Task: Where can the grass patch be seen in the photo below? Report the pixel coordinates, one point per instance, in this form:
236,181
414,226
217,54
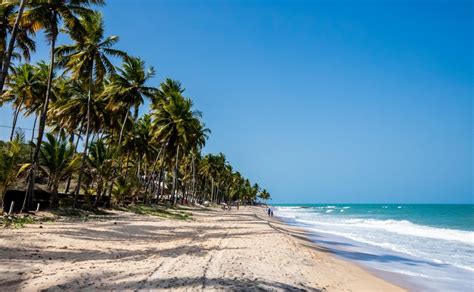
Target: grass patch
11,221
83,214
158,211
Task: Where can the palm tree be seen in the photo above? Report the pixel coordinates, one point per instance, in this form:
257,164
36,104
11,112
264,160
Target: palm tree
128,88
34,105
9,164
101,165
47,15
25,43
88,60
264,195
57,162
175,124
22,85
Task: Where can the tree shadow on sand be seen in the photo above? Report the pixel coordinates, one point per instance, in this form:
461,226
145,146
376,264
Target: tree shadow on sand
188,283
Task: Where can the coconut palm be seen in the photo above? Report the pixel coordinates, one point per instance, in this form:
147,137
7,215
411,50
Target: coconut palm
57,162
264,195
176,126
128,88
10,156
88,60
18,36
47,15
22,85
101,166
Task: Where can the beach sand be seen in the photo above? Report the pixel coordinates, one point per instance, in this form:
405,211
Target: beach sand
231,250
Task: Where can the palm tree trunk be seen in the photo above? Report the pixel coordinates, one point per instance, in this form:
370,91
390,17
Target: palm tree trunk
175,178
86,145
54,201
152,173
11,45
123,127
212,190
15,117
194,180
33,136
31,176
68,184
160,178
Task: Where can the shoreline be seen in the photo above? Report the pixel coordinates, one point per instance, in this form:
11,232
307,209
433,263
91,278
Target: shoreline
304,237
308,239
237,250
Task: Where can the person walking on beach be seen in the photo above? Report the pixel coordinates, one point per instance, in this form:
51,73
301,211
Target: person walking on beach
269,211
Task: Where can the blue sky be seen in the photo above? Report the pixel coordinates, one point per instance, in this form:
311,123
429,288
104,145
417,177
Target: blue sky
321,101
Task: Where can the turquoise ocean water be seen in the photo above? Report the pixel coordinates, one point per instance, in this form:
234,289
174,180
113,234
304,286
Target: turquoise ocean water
422,247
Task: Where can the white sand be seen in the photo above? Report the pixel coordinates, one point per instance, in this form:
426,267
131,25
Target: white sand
216,250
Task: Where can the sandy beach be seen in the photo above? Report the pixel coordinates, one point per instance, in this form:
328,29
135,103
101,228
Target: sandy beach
236,250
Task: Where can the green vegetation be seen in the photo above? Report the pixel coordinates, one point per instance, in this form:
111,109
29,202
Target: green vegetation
98,150
174,213
20,221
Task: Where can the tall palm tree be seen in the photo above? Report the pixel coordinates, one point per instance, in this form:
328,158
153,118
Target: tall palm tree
88,59
6,8
128,88
176,125
22,85
47,15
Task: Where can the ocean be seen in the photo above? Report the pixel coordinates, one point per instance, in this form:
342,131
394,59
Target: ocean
420,247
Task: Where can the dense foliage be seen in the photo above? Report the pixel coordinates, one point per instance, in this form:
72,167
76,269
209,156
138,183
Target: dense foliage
88,139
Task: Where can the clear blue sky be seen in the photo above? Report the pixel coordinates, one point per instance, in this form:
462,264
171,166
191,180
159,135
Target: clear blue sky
321,101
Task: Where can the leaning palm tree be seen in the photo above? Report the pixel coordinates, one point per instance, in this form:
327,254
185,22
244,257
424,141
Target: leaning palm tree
18,36
47,15
128,88
57,162
88,60
22,85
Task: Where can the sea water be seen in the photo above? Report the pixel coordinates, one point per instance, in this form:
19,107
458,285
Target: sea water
422,247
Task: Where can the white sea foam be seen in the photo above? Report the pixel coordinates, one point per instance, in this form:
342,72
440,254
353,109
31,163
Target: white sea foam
405,227
414,250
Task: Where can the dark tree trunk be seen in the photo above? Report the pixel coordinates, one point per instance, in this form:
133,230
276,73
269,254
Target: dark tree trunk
11,45
31,176
86,144
175,178
54,201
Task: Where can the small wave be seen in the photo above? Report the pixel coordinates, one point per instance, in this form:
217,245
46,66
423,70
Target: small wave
341,211
330,207
399,207
329,211
346,207
405,227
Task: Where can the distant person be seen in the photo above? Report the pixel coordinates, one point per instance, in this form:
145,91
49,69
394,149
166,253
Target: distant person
269,211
